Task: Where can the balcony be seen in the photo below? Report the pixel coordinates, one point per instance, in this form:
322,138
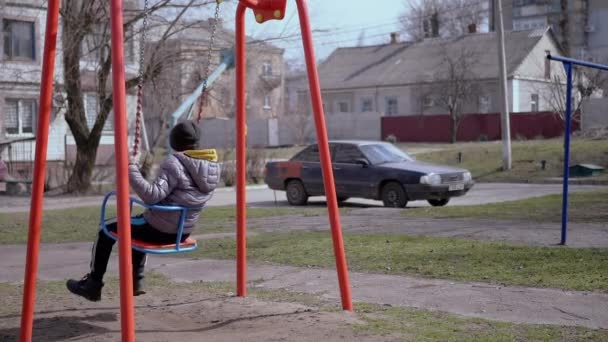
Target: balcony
270,81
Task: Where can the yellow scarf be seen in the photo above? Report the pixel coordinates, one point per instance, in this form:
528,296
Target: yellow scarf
209,154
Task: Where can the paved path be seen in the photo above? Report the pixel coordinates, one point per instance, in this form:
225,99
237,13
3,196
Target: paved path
505,303
262,196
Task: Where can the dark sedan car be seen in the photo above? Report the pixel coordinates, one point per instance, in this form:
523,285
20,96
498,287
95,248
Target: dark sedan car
373,170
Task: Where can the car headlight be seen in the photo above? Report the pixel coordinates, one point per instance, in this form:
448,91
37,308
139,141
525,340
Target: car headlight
467,177
431,179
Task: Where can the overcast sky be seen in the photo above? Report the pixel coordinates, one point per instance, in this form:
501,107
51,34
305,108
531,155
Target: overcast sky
339,23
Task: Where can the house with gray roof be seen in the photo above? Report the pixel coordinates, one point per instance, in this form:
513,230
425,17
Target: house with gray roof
400,78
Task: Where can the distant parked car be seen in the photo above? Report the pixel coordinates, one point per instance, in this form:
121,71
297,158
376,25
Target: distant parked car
373,170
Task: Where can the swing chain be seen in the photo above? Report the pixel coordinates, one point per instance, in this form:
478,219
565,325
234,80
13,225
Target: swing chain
140,83
202,98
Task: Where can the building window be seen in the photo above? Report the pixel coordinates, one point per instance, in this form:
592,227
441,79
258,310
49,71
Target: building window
343,107
267,68
534,103
91,109
547,65
366,105
19,40
484,104
267,102
97,41
19,116
428,102
391,106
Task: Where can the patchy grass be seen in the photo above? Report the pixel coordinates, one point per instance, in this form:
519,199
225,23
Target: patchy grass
484,159
586,207
421,325
492,262
80,224
378,320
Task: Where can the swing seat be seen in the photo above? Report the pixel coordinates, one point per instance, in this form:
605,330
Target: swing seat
179,246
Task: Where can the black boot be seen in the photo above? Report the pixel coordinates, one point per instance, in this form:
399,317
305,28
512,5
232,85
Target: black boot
87,287
138,285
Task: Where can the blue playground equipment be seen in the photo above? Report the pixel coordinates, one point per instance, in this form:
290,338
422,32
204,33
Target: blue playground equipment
180,246
569,63
189,103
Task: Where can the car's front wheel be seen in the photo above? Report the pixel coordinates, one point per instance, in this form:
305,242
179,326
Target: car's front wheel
393,195
296,193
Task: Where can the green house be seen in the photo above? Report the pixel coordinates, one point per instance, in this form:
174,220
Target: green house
585,170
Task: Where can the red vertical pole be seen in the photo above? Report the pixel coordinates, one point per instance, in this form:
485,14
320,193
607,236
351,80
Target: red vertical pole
127,319
241,146
328,176
42,139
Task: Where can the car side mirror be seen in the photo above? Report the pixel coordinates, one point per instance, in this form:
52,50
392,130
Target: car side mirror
363,162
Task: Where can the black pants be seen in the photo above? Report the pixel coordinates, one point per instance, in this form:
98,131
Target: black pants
140,230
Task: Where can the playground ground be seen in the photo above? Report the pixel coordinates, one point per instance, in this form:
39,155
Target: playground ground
191,297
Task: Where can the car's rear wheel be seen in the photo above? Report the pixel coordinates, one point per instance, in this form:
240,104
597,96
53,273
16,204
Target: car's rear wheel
393,195
296,193
439,202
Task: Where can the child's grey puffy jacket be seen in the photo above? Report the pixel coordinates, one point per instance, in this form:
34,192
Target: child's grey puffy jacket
182,180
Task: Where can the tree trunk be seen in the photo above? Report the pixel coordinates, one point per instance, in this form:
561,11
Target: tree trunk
80,179
454,127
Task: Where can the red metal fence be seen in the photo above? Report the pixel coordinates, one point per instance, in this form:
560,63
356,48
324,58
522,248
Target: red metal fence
473,127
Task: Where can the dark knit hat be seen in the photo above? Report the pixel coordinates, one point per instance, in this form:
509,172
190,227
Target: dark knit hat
185,136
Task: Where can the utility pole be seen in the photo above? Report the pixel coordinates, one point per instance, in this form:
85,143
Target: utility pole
504,109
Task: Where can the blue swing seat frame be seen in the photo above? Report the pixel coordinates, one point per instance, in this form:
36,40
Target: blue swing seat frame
145,247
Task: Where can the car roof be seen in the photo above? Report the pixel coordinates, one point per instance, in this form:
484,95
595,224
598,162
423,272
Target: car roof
356,142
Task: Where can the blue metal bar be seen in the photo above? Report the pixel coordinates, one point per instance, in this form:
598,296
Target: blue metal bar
568,67
183,213
180,229
190,100
573,61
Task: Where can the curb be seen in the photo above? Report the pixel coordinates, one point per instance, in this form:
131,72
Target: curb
248,187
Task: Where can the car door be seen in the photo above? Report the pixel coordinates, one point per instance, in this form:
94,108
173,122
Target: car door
310,173
353,179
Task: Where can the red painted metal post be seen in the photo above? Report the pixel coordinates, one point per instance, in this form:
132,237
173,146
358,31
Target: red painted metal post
241,149
328,176
127,318
42,139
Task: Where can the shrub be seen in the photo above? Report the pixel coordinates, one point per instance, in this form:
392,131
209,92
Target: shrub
391,138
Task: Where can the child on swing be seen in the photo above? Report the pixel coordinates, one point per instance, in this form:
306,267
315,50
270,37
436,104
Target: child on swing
187,178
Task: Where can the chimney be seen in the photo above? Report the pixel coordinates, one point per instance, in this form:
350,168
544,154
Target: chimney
473,28
394,37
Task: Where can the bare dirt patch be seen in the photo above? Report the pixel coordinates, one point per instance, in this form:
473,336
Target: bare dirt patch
184,315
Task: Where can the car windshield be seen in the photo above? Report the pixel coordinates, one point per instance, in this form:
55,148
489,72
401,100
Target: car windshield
384,153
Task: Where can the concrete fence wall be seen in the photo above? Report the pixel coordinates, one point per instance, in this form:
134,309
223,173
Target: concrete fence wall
292,130
595,113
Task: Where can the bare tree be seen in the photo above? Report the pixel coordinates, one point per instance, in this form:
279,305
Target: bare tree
454,85
86,36
585,84
442,18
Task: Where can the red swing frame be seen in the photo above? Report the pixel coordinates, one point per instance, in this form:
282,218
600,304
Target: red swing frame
264,10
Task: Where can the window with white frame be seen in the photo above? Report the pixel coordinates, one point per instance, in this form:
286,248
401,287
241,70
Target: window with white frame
391,106
91,109
267,103
267,68
484,103
96,41
366,105
19,40
428,102
343,107
19,116
534,103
